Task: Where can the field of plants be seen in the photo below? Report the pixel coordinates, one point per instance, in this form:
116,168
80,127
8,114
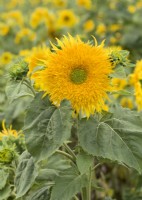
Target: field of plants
71,100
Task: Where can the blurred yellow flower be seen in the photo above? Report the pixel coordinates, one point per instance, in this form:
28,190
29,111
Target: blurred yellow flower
7,132
25,53
126,102
136,81
14,18
114,27
4,29
136,76
113,40
119,84
101,29
14,3
25,33
40,15
60,3
85,3
89,25
5,58
139,4
67,18
76,72
131,9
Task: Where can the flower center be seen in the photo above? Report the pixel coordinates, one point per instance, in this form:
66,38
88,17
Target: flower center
78,76
66,18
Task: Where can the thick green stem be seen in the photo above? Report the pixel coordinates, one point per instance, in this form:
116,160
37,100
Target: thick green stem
89,185
84,194
65,154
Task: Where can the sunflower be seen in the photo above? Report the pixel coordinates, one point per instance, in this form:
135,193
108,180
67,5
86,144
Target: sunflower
89,25
6,58
8,132
67,18
126,102
136,81
78,72
38,57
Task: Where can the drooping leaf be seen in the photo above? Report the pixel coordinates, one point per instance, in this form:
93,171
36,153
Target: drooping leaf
3,178
118,138
46,127
25,174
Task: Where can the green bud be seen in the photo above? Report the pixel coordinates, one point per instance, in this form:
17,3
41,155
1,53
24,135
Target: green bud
6,155
19,70
119,57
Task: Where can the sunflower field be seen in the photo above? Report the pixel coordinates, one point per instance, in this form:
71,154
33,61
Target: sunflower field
71,100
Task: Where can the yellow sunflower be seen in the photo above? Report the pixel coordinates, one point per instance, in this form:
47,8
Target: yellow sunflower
67,18
79,73
7,132
136,81
6,58
38,57
126,102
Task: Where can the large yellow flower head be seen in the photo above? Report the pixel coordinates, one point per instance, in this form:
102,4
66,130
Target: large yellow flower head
78,72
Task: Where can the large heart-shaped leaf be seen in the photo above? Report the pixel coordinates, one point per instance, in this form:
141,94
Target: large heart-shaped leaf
46,126
118,137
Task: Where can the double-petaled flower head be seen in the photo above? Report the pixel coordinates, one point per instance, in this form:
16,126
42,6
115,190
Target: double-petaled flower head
78,72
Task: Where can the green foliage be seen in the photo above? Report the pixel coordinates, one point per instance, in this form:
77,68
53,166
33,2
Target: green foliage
84,162
5,193
25,174
69,184
19,70
46,125
3,178
118,138
40,194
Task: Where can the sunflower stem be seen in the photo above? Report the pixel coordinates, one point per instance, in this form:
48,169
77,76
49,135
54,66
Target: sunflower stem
89,185
65,154
69,151
84,194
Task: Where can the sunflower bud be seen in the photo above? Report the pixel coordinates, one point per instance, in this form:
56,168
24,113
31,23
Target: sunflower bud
6,156
119,57
19,70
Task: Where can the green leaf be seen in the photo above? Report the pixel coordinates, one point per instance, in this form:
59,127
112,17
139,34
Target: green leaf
119,72
123,92
52,167
68,185
3,178
46,125
25,174
84,162
5,193
118,138
16,89
41,194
